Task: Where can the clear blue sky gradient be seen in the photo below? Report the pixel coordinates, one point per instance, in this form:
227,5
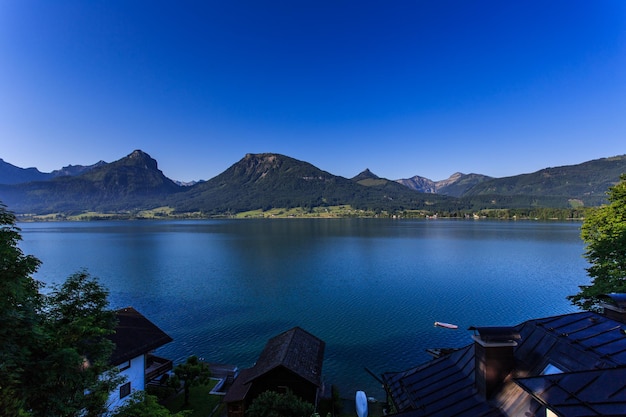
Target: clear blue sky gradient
403,88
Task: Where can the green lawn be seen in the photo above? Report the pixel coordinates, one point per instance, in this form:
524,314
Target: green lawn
200,401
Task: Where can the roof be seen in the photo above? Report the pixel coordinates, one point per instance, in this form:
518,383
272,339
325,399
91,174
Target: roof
586,393
296,350
587,347
442,387
615,299
496,334
239,390
135,335
577,341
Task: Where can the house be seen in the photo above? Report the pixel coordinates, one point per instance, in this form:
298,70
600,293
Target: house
290,361
135,338
567,365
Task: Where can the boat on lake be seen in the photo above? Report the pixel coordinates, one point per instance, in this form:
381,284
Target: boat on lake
446,325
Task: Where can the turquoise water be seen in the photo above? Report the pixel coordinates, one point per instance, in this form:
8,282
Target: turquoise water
371,289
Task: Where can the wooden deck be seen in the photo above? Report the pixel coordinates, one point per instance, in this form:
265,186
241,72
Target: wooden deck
157,366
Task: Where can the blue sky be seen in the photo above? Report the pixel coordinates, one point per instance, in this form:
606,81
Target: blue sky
403,88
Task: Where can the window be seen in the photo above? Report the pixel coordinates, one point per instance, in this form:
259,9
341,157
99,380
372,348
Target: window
551,370
124,390
124,366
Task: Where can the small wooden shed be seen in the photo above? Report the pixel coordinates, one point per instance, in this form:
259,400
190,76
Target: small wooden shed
290,361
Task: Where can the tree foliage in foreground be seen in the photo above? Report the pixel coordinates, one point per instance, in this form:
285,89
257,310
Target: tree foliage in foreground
191,373
20,303
274,404
54,349
74,374
141,404
604,232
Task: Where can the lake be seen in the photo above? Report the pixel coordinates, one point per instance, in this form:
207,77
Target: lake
370,288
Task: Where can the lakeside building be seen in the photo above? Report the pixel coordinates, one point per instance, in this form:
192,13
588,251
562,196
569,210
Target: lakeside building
135,338
567,365
290,361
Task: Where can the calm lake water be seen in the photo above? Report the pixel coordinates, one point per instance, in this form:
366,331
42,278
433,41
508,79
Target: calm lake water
371,289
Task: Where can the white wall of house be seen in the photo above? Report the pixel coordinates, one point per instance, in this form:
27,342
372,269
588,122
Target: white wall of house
135,375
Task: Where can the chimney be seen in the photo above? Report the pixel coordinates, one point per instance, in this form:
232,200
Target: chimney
614,306
493,355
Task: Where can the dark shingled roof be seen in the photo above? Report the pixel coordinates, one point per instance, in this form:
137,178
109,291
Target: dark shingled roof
586,393
588,347
442,387
296,350
239,390
135,335
577,341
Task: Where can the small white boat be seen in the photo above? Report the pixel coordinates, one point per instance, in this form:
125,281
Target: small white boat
446,325
361,404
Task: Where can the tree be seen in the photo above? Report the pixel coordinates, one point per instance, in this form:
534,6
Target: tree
20,302
141,404
604,232
193,372
274,404
54,350
73,374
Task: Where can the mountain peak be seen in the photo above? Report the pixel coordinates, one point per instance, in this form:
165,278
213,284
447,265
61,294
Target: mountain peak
421,184
139,158
137,153
73,170
366,175
258,165
10,174
263,158
456,176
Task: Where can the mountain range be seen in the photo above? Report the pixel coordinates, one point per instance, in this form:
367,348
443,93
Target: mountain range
265,181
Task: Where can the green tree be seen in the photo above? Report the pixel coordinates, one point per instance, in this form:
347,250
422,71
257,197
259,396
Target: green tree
193,372
274,404
20,302
73,375
141,404
604,232
54,349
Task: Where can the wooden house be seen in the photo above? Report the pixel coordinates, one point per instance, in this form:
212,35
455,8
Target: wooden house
290,361
135,338
568,365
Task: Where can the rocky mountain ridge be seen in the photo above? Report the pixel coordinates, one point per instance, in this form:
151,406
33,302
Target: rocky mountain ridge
264,181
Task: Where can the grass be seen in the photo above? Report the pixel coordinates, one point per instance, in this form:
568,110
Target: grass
200,401
325,212
92,215
156,213
341,211
165,212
